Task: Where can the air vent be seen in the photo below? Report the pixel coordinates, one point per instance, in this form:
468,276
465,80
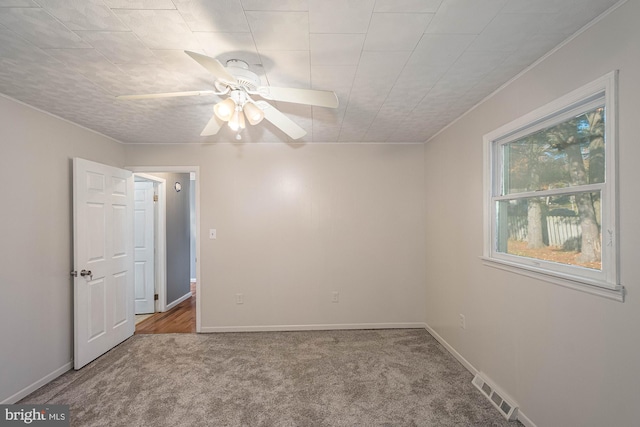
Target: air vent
502,402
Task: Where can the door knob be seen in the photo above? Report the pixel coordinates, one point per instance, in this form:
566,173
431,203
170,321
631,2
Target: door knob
85,273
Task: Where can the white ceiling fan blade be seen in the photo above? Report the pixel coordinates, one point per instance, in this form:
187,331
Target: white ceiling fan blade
213,66
284,123
321,98
212,127
168,94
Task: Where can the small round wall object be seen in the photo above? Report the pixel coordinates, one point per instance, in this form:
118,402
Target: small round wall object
177,186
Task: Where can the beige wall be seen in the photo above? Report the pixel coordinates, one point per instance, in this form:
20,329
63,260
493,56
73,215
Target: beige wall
297,222
36,317
567,357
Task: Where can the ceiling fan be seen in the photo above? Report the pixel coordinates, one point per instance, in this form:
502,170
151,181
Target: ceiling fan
238,83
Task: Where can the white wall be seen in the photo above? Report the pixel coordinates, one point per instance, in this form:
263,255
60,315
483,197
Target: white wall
297,222
36,312
567,357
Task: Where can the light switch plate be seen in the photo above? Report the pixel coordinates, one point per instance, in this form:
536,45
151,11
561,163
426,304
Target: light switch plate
212,234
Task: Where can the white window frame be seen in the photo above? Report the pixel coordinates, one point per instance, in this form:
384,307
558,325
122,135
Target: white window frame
602,282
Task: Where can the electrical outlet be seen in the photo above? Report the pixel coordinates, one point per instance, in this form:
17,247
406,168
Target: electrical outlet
239,299
335,297
463,322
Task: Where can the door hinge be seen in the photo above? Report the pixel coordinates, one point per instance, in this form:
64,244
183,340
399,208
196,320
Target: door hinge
155,297
155,197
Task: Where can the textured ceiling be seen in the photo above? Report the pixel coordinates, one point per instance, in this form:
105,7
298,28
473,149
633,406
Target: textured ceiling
402,69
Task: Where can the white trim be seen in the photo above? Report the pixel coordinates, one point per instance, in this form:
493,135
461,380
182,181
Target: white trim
532,66
316,327
474,371
185,169
178,301
586,188
566,275
578,283
524,419
37,384
464,362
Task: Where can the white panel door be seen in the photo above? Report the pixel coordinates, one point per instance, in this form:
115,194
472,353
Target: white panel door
103,259
144,247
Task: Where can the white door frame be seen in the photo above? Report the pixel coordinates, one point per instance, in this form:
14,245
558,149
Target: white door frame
139,170
161,241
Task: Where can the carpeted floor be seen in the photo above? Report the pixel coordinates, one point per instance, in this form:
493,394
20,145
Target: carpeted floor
321,378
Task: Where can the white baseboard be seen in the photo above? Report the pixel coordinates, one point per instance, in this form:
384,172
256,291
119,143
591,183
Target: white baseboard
36,385
178,301
524,420
521,416
318,327
451,350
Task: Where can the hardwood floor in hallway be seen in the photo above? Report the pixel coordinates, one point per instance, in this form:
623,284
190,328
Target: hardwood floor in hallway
181,319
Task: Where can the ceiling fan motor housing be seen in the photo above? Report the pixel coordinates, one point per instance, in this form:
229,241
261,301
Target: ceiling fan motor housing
246,78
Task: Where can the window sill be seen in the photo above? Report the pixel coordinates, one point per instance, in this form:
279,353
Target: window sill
572,283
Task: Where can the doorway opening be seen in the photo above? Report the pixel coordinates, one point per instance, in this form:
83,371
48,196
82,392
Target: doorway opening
170,226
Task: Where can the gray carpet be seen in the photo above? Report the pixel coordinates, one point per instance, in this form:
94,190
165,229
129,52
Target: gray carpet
321,378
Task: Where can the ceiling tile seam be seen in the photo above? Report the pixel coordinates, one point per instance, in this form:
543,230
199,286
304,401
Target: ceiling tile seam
56,19
335,32
259,52
388,93
434,15
346,107
186,24
221,32
438,80
74,31
102,89
492,19
17,36
530,67
140,10
538,15
432,86
439,6
403,13
142,43
101,31
41,50
339,117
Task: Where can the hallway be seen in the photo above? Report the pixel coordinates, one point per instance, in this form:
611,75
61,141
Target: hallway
179,320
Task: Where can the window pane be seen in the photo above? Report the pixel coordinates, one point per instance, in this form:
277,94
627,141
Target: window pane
563,229
564,155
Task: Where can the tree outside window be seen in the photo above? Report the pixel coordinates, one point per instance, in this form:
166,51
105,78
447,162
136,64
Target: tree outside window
550,206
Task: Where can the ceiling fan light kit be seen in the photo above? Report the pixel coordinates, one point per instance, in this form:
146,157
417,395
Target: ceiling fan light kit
239,83
236,122
253,113
224,109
